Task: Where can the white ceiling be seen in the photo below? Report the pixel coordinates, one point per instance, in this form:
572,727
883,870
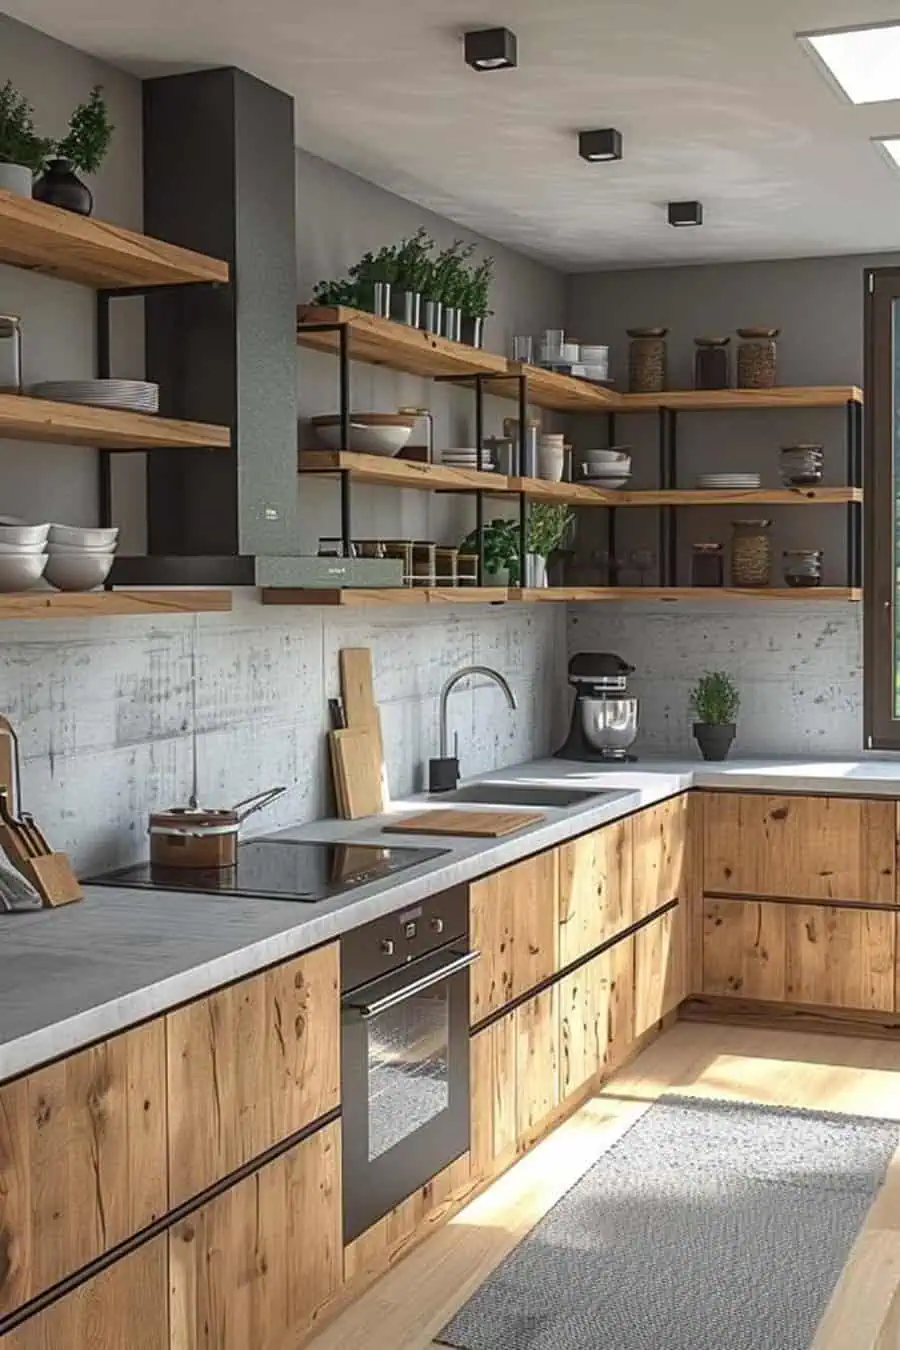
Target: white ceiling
716,100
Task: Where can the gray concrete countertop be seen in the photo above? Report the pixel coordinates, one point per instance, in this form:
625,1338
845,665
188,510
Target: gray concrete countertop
74,975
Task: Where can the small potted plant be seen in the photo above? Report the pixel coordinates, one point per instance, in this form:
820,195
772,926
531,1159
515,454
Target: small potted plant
439,287
22,150
475,302
545,532
411,274
83,147
501,550
714,704
374,275
333,294
454,292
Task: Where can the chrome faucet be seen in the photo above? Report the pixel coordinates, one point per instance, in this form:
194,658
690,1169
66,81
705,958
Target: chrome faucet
451,684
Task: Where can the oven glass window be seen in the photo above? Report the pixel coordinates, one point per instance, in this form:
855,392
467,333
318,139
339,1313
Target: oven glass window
409,1057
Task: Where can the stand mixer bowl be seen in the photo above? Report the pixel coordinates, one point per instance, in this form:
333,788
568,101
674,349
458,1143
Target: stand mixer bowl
610,725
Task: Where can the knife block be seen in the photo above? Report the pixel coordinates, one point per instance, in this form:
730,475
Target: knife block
52,876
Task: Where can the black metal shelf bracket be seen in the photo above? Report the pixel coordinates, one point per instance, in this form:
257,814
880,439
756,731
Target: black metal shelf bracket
668,476
854,451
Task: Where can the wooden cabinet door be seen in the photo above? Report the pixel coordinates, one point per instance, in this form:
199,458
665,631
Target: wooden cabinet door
596,1017
513,923
537,1062
839,958
660,966
82,1159
805,848
595,890
254,1266
125,1307
660,842
250,1065
492,1087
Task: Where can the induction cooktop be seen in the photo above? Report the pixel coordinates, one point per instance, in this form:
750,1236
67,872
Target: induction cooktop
278,869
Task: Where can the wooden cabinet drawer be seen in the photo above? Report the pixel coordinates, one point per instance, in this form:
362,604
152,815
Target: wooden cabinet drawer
660,842
660,968
125,1307
817,954
596,1017
82,1159
250,1065
513,923
254,1266
805,848
595,890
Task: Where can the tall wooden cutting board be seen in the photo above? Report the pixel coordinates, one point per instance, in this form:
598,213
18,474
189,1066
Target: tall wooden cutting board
361,711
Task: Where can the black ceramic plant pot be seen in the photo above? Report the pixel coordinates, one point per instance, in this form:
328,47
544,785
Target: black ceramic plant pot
59,185
473,330
714,741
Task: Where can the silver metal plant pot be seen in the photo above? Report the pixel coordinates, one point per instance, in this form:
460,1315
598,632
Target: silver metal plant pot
377,299
432,316
472,330
406,307
452,323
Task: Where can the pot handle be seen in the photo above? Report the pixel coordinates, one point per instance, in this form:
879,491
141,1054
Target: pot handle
257,802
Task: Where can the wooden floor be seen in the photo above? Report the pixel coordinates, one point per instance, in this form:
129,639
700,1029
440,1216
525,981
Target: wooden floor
410,1304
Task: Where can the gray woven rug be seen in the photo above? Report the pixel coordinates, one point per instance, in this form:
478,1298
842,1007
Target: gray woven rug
710,1225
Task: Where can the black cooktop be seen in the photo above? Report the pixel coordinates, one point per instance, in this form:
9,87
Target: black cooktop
278,869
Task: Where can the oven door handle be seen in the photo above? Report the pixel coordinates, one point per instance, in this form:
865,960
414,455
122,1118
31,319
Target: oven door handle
457,963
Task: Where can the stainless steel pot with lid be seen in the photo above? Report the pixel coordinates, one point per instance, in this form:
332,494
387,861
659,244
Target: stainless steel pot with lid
198,836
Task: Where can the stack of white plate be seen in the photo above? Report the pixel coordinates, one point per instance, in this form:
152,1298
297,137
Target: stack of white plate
729,482
606,468
23,555
124,395
465,457
79,560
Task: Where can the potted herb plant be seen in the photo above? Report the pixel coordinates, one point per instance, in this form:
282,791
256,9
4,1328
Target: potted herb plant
22,150
411,274
545,532
501,550
454,291
439,286
83,147
714,703
475,302
332,294
374,275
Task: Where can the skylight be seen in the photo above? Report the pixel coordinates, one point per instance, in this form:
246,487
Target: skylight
865,62
892,147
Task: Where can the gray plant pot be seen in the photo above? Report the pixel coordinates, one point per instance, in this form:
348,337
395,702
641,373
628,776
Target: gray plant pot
406,307
376,298
714,741
472,331
16,178
432,316
451,326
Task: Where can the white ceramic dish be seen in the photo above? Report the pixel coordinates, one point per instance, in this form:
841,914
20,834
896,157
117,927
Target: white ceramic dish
21,571
607,482
84,572
75,550
24,534
607,457
84,538
382,434
21,548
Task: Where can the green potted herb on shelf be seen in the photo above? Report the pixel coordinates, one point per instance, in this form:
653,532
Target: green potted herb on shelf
332,294
83,147
475,302
715,702
412,264
501,550
439,287
374,275
548,524
22,150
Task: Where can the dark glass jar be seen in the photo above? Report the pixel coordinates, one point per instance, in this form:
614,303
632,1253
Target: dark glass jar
712,363
647,360
708,565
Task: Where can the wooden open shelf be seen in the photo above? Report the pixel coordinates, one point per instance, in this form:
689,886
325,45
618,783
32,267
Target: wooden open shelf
580,494
728,400
78,248
381,342
35,419
45,604
397,595
401,473
604,594
562,393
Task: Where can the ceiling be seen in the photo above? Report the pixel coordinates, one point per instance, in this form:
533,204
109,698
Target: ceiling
716,100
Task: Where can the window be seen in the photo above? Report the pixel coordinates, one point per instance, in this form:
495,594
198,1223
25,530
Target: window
882,510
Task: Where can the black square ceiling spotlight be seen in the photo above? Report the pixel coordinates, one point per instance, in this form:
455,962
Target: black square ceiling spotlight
598,146
685,213
491,49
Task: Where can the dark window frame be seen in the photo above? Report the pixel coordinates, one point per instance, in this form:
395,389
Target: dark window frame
881,726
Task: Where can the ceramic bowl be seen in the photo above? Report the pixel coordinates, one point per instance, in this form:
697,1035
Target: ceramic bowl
21,548
19,535
77,572
370,433
75,551
20,571
85,539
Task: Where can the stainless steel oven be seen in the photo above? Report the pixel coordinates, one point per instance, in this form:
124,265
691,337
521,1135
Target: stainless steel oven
404,1053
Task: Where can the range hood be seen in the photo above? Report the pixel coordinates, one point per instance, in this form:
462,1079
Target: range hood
219,162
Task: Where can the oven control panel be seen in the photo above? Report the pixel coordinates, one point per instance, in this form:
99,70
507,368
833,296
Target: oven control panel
391,942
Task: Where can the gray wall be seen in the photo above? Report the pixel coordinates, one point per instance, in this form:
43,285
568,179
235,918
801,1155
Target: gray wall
774,650
102,707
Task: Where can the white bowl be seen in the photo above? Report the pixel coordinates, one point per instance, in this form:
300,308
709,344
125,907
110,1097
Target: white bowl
74,551
369,434
606,457
609,483
20,571
21,548
24,534
68,572
93,538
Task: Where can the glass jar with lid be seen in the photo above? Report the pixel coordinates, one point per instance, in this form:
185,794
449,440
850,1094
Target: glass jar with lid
712,363
757,358
707,565
802,566
751,553
648,360
10,354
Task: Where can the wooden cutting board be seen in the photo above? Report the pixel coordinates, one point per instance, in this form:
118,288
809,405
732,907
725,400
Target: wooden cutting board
477,824
360,708
356,767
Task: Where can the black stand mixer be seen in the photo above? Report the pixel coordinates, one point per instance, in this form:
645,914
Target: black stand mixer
604,716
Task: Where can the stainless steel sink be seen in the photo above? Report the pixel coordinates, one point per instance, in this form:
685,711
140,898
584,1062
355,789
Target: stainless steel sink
518,794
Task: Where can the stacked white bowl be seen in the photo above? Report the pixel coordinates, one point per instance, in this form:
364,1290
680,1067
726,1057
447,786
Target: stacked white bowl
23,555
606,468
79,559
